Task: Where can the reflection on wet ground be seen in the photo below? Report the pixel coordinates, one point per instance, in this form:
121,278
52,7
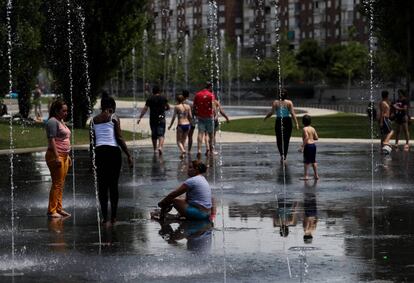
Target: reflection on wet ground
299,232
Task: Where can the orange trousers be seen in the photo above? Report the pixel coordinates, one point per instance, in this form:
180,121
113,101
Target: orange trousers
58,174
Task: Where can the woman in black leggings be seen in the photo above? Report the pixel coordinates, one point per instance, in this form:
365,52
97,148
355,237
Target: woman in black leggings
108,143
283,109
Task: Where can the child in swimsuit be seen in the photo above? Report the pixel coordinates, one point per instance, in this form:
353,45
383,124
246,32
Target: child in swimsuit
183,113
309,136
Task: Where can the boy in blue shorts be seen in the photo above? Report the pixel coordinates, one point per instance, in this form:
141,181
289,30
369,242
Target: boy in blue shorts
309,137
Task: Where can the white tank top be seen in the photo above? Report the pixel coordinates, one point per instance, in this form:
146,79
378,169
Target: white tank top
105,133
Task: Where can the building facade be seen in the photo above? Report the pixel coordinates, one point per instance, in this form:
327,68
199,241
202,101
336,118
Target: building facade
255,21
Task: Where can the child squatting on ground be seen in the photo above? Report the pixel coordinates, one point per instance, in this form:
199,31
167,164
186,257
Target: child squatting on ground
309,136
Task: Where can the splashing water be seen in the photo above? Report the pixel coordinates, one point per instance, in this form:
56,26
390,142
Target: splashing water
70,55
186,53
280,89
144,55
238,55
91,131
134,94
165,13
371,99
257,42
215,77
229,76
9,8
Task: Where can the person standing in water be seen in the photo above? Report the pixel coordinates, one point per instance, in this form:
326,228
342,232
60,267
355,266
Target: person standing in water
401,108
37,94
309,137
57,156
217,109
157,104
384,119
183,113
283,109
190,103
108,141
203,108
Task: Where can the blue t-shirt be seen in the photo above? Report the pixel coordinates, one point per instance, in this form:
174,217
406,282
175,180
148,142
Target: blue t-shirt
199,191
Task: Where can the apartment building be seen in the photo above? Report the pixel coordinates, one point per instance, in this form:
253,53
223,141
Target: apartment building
255,21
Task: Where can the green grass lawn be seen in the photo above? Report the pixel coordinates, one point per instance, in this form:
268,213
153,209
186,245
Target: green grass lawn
35,136
341,125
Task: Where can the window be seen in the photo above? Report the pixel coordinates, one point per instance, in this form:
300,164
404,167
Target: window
329,3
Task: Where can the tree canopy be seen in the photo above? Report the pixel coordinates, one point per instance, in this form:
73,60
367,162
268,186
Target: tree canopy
111,30
26,55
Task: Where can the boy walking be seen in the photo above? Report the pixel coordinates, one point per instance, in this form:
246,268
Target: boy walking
309,136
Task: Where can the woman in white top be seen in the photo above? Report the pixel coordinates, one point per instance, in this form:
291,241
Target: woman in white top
183,113
108,142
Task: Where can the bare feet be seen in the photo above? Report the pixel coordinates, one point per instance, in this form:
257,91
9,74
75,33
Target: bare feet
54,215
160,151
305,178
406,147
64,213
316,177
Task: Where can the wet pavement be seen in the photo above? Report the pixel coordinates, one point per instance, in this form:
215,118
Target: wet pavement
362,227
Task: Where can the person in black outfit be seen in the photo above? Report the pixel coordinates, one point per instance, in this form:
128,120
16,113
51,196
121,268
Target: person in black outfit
157,104
401,118
284,110
108,142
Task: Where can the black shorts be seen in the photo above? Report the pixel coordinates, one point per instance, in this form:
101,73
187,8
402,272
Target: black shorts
400,119
309,153
386,127
157,129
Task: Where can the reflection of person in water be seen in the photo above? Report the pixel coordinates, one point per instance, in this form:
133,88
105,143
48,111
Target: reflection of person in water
310,218
182,168
158,167
283,175
198,234
285,216
57,238
198,203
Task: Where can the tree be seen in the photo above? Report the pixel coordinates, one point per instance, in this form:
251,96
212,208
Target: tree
311,60
346,61
111,30
26,56
268,68
199,62
393,22
389,66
